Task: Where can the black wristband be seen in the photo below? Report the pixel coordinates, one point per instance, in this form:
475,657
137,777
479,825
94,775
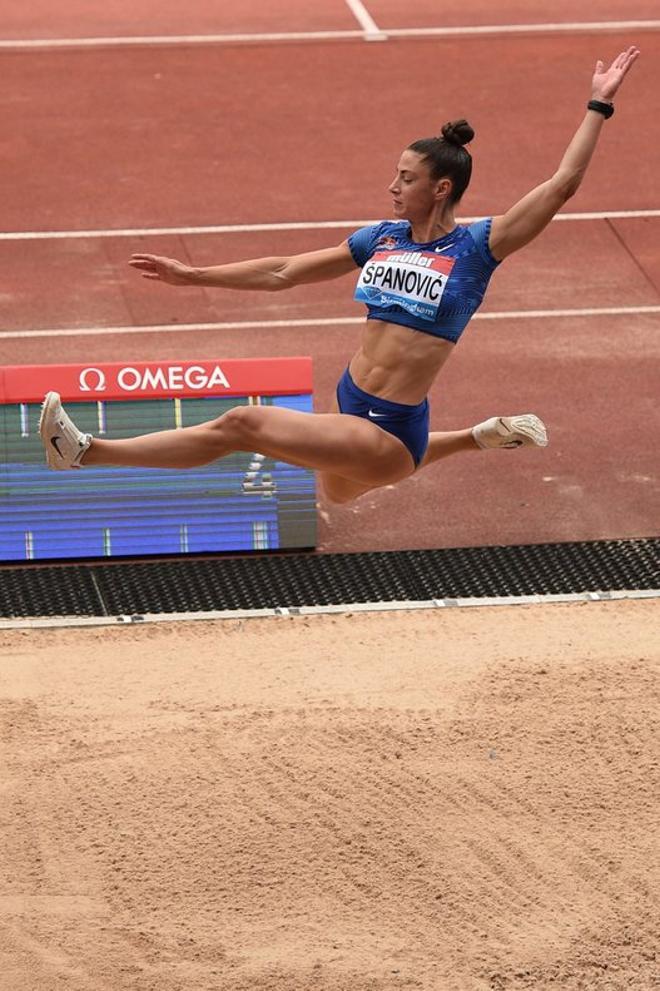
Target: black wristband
606,109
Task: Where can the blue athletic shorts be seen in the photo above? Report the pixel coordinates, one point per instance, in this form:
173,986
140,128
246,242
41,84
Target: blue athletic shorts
409,423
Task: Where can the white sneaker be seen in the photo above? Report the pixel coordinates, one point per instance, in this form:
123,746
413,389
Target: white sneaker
64,443
525,430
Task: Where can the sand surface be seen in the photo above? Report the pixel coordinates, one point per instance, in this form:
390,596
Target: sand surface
450,800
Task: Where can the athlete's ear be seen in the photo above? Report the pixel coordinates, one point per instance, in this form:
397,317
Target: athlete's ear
442,189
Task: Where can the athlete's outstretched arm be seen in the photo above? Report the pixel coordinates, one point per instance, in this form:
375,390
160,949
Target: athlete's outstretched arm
524,221
265,274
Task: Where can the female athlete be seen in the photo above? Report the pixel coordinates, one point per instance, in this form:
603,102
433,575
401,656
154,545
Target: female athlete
422,277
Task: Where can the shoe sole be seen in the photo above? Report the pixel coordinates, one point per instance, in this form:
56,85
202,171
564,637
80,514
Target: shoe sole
49,400
527,426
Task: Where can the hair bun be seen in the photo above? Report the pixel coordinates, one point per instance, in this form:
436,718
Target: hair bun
457,132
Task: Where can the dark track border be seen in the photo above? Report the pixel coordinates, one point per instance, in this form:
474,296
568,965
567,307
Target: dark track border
292,581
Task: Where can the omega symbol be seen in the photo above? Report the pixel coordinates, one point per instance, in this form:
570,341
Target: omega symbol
83,380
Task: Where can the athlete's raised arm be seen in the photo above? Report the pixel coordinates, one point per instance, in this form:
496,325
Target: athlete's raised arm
265,274
521,224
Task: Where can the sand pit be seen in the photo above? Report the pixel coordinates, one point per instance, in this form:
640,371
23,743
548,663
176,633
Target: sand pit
451,800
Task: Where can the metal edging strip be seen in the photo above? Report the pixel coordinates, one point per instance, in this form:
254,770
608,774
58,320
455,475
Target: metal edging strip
59,622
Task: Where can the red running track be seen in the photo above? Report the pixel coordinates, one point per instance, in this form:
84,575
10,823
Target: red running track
187,136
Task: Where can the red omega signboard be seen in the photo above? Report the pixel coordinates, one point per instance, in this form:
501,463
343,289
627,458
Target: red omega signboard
242,502
157,380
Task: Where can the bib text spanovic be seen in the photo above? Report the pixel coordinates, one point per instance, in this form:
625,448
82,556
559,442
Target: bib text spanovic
412,280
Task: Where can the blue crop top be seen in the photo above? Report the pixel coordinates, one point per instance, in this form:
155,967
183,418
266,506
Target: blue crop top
434,287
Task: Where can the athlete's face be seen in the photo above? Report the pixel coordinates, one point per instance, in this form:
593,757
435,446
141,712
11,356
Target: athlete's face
414,193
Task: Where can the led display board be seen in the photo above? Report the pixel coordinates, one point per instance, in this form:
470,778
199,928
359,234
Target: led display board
242,502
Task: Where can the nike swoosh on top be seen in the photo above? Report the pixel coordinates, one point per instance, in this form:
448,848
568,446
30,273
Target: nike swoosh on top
374,415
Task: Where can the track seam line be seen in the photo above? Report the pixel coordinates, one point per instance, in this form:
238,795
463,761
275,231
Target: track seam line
293,225
630,254
188,328
379,34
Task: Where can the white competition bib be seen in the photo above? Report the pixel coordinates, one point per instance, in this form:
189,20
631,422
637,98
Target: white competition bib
414,280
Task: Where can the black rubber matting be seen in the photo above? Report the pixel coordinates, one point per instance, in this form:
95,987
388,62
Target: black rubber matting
293,580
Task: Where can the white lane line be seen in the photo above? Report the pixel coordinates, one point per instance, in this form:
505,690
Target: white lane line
572,27
190,328
302,225
184,328
148,41
546,28
587,311
371,30
160,231
48,622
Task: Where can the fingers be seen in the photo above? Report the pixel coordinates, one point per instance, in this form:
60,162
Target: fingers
608,79
148,273
631,56
149,266
158,268
140,261
624,60
152,259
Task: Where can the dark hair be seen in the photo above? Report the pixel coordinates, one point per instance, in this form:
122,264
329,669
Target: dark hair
446,156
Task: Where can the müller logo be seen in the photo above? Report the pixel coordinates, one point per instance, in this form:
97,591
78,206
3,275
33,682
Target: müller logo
171,379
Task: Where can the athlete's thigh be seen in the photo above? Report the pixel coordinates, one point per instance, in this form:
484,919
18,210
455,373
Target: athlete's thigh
332,442
338,488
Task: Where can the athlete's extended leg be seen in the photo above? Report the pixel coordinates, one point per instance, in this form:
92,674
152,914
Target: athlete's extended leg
347,446
441,445
444,443
498,432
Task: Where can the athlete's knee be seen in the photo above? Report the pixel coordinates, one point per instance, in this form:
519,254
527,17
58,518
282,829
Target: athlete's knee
240,425
339,490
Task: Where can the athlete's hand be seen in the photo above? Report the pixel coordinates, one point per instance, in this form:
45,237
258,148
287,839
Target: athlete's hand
607,81
163,269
